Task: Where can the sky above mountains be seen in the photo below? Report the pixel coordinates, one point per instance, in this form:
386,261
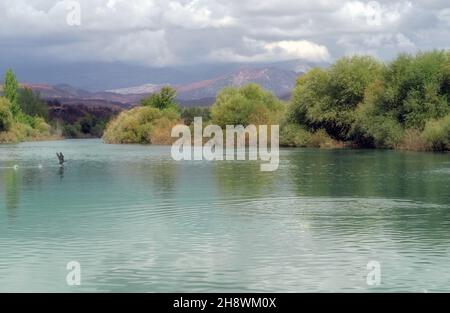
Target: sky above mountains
161,33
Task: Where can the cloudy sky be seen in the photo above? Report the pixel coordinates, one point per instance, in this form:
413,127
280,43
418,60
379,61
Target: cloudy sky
168,33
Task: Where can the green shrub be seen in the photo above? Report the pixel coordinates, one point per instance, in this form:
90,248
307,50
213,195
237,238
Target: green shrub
6,118
375,129
437,133
414,140
247,105
144,125
327,99
293,135
321,139
418,88
11,91
31,103
188,114
164,99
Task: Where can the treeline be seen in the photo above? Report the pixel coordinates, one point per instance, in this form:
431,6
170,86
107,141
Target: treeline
25,116
22,114
358,101
150,123
79,119
403,104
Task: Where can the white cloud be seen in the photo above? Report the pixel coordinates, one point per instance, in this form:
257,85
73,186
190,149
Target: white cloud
372,14
161,32
195,15
261,51
444,16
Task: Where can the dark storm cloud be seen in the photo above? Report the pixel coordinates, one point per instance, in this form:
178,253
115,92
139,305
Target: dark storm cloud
159,33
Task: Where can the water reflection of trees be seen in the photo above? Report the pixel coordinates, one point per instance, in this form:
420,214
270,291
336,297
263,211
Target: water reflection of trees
368,174
404,193
11,185
15,181
159,176
243,179
164,176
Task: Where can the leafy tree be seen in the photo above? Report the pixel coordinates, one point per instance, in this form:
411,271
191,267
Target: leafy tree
412,91
6,118
328,98
417,88
437,133
164,99
87,124
143,125
11,89
249,104
31,104
188,114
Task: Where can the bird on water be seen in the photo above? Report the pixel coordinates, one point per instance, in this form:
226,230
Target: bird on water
60,158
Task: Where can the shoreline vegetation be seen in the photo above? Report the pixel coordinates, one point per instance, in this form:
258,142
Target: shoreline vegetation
357,102
22,114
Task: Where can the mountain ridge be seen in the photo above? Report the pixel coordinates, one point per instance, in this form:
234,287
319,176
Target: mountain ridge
202,92
278,81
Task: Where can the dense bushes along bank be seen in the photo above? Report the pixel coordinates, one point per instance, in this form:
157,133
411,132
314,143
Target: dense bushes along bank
403,104
358,101
22,117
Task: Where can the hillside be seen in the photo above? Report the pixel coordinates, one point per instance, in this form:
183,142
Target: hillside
279,81
197,93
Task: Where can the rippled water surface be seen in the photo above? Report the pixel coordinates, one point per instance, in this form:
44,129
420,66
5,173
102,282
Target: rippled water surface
137,221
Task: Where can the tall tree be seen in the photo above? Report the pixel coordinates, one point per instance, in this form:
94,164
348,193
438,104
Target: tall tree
165,99
30,103
11,91
5,115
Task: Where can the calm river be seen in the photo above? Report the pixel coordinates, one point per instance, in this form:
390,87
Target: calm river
136,221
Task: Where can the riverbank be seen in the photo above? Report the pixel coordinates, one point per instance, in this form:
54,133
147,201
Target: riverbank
30,135
5,139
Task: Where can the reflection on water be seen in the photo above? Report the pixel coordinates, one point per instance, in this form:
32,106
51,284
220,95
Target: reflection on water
242,179
11,187
61,172
138,221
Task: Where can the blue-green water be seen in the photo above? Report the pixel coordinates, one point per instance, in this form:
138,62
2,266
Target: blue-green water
137,221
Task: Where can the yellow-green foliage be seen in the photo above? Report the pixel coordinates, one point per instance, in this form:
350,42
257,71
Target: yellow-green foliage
23,128
6,118
293,135
437,133
246,105
327,98
142,125
401,104
414,140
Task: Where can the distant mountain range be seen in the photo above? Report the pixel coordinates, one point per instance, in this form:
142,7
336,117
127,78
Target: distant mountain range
201,93
278,78
280,82
99,76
